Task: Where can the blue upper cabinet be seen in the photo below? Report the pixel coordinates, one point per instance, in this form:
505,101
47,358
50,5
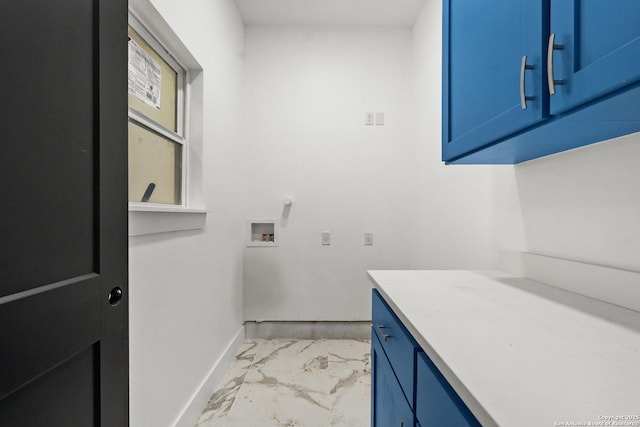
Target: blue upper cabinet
493,71
597,50
524,79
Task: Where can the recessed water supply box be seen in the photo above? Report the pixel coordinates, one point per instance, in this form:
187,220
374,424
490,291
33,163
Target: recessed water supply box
262,232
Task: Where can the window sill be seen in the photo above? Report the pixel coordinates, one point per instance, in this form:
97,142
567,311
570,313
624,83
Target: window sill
153,219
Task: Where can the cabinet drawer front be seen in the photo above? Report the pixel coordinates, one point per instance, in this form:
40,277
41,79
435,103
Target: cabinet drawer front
389,405
437,404
396,342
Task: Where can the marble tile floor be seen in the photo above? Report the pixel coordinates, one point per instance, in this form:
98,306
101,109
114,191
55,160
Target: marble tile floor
294,383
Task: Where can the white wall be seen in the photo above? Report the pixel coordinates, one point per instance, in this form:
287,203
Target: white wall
306,94
301,134
582,204
453,206
186,287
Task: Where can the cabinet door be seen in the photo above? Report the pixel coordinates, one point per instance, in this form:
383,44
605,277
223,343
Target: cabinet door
437,404
600,49
396,342
484,43
388,404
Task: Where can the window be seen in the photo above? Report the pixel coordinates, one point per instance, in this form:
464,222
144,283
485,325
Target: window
157,142
165,127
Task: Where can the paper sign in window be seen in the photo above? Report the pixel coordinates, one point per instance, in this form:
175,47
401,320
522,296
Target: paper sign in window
166,114
145,75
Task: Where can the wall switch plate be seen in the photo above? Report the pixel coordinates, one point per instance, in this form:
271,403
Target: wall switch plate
368,119
326,237
368,238
379,119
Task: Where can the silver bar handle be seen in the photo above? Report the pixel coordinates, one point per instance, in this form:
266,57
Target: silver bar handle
523,97
384,336
552,46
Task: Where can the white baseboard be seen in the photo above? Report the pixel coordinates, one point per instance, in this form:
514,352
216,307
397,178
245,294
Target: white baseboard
200,397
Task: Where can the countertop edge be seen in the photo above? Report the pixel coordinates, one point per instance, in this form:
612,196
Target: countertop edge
542,339
467,397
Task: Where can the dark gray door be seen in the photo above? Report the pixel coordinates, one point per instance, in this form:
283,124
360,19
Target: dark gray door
63,204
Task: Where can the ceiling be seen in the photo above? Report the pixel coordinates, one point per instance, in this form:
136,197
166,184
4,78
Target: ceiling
361,13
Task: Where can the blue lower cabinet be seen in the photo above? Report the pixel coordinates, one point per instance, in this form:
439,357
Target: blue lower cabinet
437,404
407,389
397,343
389,407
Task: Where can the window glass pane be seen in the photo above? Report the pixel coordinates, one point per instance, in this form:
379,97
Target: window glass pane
146,67
155,167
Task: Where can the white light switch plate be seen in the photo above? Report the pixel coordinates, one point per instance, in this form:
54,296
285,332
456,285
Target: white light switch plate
368,119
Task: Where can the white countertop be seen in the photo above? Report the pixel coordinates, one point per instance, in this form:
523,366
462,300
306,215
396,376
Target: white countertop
521,353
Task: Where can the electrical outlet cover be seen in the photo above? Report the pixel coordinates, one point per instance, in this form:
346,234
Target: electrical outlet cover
368,238
326,237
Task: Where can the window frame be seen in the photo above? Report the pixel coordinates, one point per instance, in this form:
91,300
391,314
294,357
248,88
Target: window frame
181,134
152,218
